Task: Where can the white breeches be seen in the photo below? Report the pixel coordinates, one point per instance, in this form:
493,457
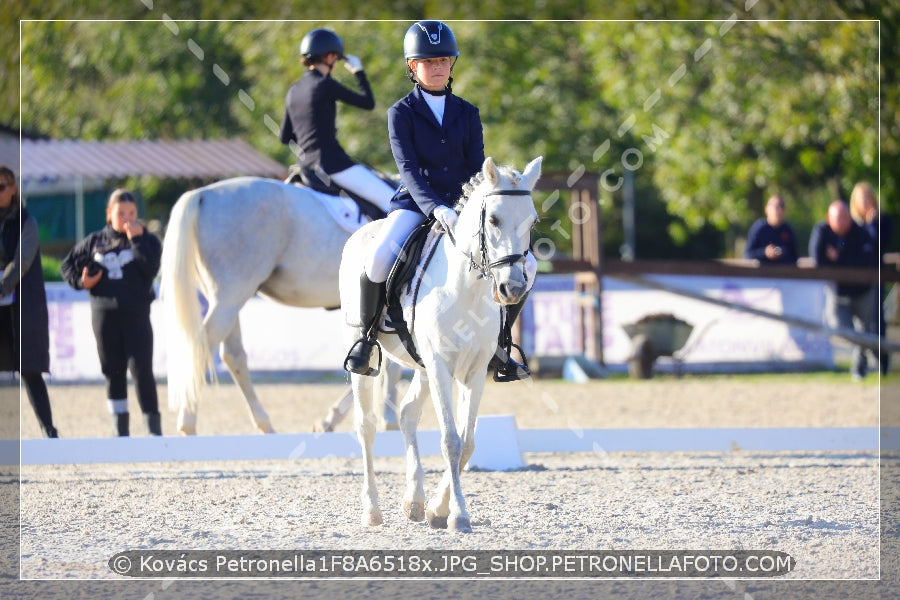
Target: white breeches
393,233
363,182
398,225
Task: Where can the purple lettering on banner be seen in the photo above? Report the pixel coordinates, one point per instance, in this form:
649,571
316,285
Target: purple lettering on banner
555,312
62,335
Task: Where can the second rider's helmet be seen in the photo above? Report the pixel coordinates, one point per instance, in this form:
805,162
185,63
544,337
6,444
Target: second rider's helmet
320,42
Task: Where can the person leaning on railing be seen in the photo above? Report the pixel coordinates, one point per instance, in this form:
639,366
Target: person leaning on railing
840,242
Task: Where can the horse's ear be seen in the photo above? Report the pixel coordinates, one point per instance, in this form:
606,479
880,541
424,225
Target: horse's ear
532,172
491,174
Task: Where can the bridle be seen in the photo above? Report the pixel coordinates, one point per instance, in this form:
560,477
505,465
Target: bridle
485,266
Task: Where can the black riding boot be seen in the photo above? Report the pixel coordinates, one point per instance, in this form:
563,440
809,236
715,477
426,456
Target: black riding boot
154,426
120,423
505,368
371,303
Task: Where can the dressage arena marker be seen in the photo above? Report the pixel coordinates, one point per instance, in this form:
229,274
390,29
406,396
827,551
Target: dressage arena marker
499,444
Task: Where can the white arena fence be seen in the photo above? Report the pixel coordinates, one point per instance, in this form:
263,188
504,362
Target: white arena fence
499,444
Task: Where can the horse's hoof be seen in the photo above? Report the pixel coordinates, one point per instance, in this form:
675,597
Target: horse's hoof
265,427
187,430
373,519
415,511
435,521
461,525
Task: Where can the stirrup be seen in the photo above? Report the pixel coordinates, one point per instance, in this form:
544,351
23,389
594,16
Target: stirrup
368,371
511,370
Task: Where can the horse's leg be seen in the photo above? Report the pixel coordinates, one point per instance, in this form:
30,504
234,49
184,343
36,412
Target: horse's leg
385,387
364,421
389,379
336,413
410,413
467,413
235,359
445,509
186,422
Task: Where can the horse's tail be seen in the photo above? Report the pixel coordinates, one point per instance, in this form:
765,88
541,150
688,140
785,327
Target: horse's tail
188,353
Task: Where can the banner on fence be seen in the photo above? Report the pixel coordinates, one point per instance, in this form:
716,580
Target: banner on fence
282,338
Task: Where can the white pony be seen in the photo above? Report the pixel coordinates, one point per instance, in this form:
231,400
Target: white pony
475,270
230,240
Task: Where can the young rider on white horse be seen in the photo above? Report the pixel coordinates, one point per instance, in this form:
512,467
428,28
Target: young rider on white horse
437,141
310,113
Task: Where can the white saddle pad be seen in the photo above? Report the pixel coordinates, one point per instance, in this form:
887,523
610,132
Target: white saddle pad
344,211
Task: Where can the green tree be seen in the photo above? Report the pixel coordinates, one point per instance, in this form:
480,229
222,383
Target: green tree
712,116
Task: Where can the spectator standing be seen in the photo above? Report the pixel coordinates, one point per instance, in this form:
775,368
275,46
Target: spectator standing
840,242
771,239
117,265
24,330
864,210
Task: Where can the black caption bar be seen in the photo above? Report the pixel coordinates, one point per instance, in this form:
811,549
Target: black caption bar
436,563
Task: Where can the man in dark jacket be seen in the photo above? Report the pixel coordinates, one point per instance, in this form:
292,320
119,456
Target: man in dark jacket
840,242
22,289
771,239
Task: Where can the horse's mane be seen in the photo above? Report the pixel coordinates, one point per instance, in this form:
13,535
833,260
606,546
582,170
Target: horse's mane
469,187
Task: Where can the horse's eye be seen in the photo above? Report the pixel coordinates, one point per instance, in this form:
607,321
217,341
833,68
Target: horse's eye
494,220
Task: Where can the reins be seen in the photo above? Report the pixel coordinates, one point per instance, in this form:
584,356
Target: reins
484,268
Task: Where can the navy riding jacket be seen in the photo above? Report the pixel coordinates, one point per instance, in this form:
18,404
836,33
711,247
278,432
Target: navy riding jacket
434,160
310,116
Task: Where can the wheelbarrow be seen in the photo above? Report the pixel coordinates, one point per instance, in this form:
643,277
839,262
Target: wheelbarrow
660,334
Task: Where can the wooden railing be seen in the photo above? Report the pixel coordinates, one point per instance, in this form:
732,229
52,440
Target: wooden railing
733,268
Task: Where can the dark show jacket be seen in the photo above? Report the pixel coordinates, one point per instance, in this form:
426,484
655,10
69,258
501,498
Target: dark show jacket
856,249
434,160
762,234
310,118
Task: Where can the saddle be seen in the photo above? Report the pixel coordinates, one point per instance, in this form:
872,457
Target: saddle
318,180
404,279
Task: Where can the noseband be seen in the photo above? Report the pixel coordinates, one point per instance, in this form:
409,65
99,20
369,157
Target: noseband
484,267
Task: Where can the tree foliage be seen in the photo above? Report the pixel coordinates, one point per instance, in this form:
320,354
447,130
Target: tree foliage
712,114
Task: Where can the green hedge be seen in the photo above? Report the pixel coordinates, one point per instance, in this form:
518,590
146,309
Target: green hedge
51,268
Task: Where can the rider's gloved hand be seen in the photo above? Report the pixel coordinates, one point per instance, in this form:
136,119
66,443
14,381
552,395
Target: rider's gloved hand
353,63
446,217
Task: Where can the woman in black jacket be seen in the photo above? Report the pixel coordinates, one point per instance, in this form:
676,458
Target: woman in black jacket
310,115
22,289
117,266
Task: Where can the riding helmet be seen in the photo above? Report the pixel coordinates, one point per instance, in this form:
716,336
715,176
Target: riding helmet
429,39
320,42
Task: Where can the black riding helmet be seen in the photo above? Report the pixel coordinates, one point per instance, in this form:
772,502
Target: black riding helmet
320,42
429,39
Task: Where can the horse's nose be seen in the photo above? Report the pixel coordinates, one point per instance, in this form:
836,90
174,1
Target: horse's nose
510,292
